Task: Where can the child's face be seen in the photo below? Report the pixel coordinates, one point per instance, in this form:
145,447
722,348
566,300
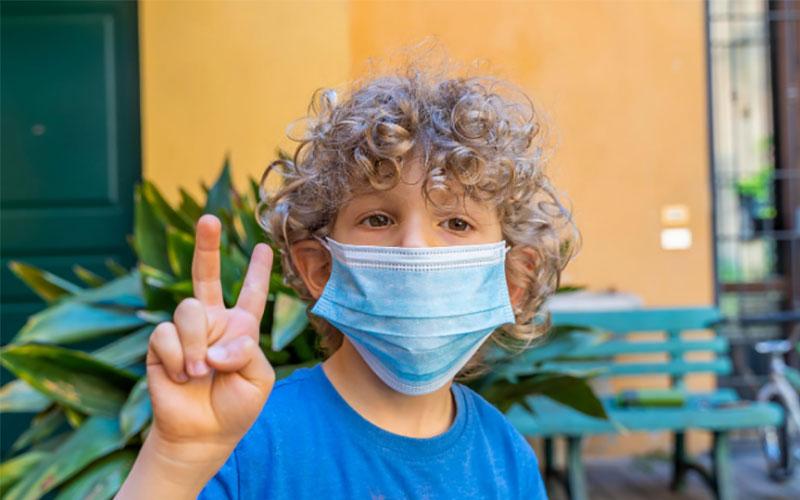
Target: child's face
400,217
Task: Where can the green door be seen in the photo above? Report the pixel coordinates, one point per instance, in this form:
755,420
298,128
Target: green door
70,155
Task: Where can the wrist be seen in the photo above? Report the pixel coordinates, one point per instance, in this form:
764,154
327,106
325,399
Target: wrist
170,470
188,454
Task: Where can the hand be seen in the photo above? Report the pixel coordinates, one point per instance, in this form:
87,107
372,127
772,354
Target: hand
207,376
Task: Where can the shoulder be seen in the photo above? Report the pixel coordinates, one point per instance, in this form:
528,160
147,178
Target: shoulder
506,441
495,424
300,381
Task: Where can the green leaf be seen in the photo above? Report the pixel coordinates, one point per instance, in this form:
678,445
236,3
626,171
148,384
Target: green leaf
275,358
154,317
180,250
233,265
149,233
52,443
101,480
115,267
74,321
565,389
276,285
46,285
43,425
253,234
163,283
181,289
150,272
136,411
189,207
13,469
575,393
167,213
98,437
17,396
219,195
74,418
127,350
254,188
73,378
155,282
124,291
289,320
87,276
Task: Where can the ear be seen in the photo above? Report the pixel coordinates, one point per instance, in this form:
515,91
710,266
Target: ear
313,264
522,261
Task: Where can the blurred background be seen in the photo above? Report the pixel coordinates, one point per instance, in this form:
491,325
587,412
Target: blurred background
676,124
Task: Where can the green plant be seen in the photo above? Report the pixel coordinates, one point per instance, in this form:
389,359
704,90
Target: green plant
755,193
93,409
755,190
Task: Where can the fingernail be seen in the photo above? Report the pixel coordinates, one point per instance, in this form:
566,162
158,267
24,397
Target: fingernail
199,368
182,377
217,353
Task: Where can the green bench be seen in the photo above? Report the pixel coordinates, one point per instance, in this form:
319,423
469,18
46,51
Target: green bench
659,330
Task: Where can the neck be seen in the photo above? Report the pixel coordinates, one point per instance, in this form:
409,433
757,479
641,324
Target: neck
422,416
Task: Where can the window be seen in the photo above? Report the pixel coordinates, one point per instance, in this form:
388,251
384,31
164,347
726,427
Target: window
753,49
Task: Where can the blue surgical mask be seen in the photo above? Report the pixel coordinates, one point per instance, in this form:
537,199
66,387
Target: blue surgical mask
416,315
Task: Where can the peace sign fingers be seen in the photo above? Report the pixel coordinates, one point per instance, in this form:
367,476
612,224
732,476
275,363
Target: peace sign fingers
253,296
206,261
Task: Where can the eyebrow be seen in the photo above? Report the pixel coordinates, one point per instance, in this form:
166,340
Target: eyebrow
465,204
374,195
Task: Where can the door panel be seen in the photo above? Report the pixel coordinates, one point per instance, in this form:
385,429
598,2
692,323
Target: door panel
70,145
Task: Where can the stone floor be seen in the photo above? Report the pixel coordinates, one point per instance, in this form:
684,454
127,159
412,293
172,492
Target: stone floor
648,478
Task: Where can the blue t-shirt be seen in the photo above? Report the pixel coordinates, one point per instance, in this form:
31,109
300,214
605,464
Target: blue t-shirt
309,443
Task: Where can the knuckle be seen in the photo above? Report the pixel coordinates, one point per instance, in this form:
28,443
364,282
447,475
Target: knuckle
242,345
187,304
161,332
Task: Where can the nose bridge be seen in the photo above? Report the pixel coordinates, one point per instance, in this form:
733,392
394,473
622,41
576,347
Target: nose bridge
416,232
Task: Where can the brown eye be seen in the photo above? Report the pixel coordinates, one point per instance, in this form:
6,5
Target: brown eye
377,220
457,224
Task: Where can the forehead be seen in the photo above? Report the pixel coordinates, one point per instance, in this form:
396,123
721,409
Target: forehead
417,186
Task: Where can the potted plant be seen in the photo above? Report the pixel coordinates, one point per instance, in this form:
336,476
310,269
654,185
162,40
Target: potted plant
755,198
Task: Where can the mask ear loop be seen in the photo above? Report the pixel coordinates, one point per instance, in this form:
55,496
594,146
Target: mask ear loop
323,242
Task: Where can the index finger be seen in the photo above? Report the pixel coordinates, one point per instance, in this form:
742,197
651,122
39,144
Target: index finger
255,289
206,261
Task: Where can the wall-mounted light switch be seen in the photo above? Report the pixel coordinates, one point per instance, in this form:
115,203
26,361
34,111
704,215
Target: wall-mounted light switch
676,238
674,215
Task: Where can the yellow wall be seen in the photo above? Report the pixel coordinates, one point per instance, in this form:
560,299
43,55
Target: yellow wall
623,83
223,76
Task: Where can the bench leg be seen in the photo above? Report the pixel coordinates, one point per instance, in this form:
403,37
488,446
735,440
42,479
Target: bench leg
549,458
678,461
576,477
723,480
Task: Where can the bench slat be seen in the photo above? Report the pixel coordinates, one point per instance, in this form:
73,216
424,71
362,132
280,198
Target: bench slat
552,418
614,347
720,366
641,320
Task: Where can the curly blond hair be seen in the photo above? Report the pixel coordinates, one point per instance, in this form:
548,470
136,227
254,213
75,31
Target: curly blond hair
467,134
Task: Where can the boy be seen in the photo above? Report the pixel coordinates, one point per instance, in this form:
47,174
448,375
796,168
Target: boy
416,219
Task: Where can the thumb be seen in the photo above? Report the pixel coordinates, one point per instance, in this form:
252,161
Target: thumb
242,355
